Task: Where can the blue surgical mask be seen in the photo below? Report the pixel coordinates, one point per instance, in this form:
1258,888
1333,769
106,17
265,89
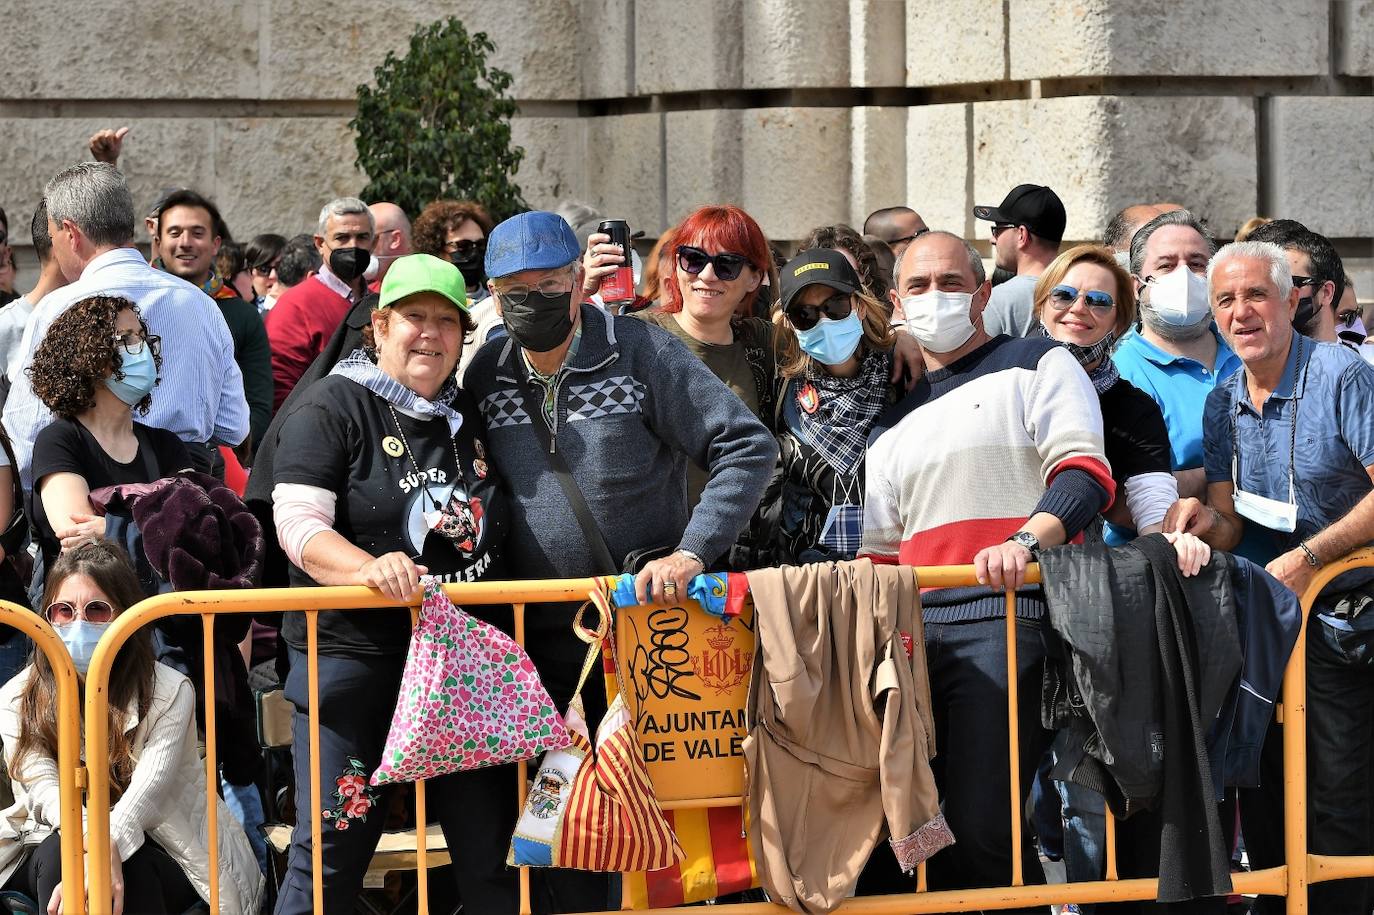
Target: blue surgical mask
140,375
832,342
80,637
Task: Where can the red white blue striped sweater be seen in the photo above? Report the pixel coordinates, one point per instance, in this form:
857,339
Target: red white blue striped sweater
1011,429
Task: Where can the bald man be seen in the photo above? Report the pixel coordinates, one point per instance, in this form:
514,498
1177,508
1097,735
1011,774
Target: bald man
895,225
393,237
1124,224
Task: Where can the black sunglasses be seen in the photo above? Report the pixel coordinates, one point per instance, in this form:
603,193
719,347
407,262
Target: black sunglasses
465,248
805,317
1300,281
909,238
265,269
694,260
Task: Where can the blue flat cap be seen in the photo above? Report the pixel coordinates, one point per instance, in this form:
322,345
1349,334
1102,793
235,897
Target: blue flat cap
531,241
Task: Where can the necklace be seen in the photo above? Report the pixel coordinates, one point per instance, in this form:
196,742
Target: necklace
460,520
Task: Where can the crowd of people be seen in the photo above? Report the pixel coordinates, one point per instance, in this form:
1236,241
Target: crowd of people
454,397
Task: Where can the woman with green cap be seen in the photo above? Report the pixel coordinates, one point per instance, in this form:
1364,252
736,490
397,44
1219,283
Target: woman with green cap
382,475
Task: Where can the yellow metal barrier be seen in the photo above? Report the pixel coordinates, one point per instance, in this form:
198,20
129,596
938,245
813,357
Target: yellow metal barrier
70,774
1283,880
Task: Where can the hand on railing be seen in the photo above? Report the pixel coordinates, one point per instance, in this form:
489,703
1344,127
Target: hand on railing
394,574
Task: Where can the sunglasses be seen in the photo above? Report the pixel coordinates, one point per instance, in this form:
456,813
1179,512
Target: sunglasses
805,317
999,227
1348,318
727,266
265,269
1062,298
62,612
466,248
909,238
1300,282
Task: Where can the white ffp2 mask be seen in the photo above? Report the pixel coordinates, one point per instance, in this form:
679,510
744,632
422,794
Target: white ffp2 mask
1179,297
939,320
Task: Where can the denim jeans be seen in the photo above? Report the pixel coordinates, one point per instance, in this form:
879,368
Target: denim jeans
1085,833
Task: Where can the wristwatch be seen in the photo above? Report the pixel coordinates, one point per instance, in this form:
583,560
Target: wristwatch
1027,540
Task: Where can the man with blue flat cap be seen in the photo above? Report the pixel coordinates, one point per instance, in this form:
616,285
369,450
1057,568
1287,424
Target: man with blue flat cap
592,419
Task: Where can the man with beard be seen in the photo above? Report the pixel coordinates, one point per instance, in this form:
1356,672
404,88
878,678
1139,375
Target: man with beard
1177,357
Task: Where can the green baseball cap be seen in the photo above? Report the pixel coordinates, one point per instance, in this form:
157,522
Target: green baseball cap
417,273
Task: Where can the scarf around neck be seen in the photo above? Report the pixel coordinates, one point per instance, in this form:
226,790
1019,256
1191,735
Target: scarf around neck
357,367
846,412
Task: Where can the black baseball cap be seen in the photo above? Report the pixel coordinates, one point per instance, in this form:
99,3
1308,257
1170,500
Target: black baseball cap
825,266
1033,206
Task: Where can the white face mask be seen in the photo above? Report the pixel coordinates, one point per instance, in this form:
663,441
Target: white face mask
1271,513
939,320
1179,297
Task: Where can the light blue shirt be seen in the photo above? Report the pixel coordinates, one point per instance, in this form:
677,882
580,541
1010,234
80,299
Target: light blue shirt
1011,308
1180,386
200,396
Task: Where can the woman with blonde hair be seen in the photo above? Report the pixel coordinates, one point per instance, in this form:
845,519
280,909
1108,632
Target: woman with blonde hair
835,367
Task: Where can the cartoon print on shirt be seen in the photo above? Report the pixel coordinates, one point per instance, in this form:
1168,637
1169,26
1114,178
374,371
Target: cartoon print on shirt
460,521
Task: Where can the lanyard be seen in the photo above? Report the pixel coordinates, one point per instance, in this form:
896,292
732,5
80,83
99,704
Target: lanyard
1292,432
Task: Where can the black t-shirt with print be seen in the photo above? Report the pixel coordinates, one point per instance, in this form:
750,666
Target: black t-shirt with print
343,438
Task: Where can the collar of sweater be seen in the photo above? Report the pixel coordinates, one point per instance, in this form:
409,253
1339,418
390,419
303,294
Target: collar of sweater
596,349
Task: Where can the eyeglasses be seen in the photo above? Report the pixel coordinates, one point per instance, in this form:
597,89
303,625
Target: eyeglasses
553,285
1301,281
909,238
266,269
466,247
727,266
132,342
1062,298
63,612
1348,318
999,227
805,317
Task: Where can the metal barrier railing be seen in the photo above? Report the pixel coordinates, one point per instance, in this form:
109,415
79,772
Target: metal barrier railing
71,776
1283,880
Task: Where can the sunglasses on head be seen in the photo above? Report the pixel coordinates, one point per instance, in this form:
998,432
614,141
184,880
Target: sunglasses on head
62,612
694,260
1062,298
805,317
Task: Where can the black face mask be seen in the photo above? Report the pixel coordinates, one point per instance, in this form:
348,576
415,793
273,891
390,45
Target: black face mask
541,322
472,268
349,263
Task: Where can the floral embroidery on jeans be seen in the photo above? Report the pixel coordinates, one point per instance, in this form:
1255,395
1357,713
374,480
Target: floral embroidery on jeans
353,795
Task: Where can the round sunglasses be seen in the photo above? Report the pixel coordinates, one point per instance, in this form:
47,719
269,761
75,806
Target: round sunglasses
63,612
727,266
805,317
1062,298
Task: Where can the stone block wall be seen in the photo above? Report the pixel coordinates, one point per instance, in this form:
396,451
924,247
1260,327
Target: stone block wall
802,111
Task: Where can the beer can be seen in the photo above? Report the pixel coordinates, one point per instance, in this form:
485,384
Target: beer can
619,287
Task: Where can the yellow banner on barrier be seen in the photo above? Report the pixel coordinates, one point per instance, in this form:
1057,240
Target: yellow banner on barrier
685,675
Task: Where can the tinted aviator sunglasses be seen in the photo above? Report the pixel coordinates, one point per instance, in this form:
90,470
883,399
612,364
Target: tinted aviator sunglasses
694,260
62,612
1062,298
805,317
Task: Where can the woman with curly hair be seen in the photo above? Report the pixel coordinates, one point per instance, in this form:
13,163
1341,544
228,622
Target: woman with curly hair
94,379
456,230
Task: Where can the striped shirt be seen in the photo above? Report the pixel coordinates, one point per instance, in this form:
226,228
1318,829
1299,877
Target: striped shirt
1011,429
200,395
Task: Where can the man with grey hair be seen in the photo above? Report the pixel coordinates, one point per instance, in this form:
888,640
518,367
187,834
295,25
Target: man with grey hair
306,315
1127,221
1025,412
1177,357
200,393
1289,447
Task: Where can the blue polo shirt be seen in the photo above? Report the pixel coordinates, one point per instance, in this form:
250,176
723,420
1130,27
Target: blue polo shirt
1332,391
1180,386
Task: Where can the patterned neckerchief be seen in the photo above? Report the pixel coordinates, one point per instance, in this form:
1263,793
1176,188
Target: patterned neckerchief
848,408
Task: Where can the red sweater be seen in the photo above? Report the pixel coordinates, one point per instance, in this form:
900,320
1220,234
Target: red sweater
298,326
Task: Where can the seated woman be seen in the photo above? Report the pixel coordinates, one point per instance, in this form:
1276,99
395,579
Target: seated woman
835,364
159,845
381,475
97,366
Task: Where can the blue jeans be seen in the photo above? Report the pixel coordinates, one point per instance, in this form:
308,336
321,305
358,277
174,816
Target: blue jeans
1085,834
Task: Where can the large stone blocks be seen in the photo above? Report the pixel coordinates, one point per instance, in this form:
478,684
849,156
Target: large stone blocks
607,30
937,166
1050,38
955,41
877,43
796,168
325,52
688,47
878,155
108,49
158,153
704,158
796,44
624,168
553,169
1355,37
1100,153
1320,163
274,174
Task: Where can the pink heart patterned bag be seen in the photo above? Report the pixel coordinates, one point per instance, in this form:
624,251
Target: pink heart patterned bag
470,697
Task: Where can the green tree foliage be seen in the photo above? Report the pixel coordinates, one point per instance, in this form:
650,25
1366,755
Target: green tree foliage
438,125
